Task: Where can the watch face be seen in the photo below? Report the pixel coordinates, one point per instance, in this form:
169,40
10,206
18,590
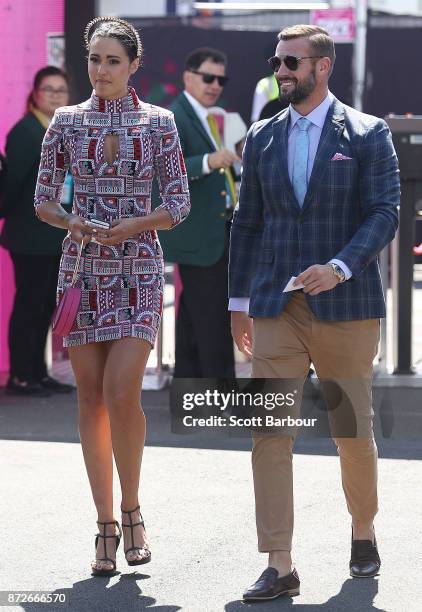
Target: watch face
340,274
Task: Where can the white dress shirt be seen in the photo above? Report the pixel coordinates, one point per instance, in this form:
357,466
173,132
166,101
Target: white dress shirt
317,118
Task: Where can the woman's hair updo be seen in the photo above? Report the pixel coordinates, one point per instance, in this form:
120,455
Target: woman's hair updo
114,27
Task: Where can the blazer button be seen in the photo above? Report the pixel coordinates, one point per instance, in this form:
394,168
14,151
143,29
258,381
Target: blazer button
222,214
223,193
221,171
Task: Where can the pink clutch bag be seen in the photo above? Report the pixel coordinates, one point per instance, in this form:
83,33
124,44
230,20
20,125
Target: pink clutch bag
67,309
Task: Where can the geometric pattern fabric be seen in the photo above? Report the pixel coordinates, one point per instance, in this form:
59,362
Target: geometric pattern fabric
122,285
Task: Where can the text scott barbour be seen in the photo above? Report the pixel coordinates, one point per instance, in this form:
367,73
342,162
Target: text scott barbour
257,421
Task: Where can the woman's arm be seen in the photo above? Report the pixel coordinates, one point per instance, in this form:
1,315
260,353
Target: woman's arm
159,219
54,214
51,176
170,170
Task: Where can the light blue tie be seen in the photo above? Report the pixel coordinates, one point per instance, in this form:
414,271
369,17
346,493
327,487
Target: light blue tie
300,162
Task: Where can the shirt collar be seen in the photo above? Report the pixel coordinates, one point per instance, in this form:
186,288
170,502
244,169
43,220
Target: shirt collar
317,116
129,102
200,110
42,117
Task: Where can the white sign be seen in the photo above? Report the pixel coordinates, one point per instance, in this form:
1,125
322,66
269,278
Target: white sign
132,8
56,50
404,7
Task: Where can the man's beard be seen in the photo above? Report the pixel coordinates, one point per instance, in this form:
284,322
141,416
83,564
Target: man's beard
299,92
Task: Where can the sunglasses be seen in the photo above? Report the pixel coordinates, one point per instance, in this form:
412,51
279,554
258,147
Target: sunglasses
210,78
290,61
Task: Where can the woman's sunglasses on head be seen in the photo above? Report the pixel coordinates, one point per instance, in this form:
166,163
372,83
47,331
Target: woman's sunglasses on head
290,61
208,78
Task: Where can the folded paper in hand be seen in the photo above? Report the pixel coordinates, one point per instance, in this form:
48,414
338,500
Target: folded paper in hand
234,130
289,286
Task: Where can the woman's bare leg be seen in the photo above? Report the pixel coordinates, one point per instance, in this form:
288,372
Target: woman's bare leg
88,362
123,374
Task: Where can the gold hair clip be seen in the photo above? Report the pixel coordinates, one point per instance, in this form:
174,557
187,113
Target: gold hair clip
94,22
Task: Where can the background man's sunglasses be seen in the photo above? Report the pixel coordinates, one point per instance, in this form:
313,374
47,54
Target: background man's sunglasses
290,61
210,78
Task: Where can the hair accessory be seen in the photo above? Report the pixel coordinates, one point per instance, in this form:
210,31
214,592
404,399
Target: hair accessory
90,29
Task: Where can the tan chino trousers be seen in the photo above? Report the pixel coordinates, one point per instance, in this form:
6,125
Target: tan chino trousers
343,351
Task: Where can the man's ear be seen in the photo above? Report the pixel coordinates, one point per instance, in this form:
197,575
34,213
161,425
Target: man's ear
325,65
186,77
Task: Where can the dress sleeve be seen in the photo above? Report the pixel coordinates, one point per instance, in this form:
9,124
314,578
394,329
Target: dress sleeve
53,165
170,170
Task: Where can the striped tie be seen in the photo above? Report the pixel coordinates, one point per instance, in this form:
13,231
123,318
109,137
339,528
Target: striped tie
229,178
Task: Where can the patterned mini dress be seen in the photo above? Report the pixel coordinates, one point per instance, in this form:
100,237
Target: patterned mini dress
122,285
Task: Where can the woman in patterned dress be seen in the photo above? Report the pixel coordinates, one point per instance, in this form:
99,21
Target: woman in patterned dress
114,145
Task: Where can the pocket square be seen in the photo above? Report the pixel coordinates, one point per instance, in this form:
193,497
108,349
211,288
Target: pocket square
340,157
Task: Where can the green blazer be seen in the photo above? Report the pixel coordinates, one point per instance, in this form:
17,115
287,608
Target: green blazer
200,239
22,232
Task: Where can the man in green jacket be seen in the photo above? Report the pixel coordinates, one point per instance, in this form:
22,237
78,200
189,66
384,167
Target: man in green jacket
204,346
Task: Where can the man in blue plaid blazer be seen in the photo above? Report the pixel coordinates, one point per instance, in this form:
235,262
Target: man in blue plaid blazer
318,201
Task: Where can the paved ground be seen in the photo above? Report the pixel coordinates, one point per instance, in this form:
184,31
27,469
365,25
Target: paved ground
197,502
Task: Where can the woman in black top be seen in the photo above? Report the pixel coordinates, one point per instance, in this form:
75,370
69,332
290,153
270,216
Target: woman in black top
34,247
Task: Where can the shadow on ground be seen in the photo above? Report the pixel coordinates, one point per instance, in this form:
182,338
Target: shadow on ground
98,594
362,598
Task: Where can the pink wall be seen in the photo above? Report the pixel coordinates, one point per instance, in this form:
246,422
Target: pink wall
24,26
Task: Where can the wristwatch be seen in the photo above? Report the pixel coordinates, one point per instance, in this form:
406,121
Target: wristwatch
337,271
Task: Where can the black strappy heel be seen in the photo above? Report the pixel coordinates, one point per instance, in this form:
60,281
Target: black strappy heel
146,558
106,572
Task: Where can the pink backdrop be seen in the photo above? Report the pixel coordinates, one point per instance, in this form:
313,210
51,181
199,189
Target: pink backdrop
24,26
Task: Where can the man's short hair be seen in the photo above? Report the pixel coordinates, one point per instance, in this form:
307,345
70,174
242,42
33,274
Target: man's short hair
196,57
320,41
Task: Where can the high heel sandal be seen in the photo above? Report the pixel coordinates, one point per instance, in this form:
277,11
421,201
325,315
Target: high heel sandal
147,558
111,571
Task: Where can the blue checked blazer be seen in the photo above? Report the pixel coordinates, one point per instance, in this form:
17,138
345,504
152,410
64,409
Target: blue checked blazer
349,213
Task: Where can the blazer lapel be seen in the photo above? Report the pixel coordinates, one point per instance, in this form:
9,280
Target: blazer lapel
328,145
196,122
281,137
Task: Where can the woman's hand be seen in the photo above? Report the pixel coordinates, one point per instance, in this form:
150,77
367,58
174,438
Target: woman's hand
120,230
78,229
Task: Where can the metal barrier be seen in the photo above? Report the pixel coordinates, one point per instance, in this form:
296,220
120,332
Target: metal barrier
158,377
382,352
407,138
